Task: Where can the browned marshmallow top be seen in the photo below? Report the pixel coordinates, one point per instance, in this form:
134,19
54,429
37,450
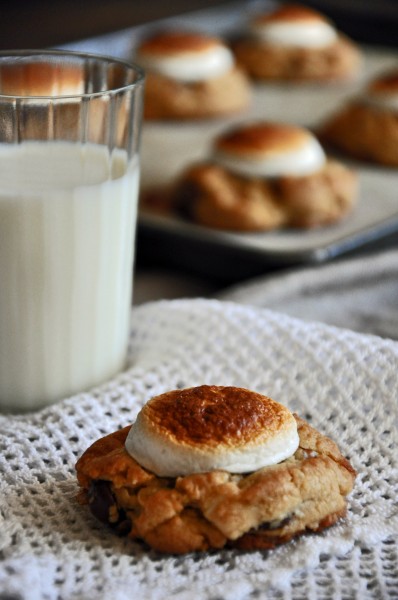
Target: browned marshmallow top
262,139
385,84
211,427
171,43
382,92
265,149
293,26
185,56
292,13
208,415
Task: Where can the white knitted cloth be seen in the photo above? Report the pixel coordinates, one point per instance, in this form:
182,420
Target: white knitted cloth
358,293
343,382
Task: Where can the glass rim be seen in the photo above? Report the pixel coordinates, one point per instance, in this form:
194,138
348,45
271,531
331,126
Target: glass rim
140,73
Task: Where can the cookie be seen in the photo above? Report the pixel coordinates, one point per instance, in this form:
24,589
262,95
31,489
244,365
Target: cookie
366,127
190,76
296,43
262,176
270,476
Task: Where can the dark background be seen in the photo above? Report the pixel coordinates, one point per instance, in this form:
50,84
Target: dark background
43,23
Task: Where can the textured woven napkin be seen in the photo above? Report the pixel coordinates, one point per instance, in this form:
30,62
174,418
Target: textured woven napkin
359,293
344,383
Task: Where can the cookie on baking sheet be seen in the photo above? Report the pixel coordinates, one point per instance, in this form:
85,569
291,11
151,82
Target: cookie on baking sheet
262,176
190,75
296,43
213,467
366,127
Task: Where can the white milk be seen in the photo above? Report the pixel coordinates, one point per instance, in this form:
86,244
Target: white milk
67,224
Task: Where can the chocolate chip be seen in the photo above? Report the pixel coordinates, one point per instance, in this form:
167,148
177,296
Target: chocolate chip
268,526
123,527
101,499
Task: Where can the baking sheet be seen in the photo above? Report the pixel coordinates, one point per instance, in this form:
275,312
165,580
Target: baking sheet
168,147
375,216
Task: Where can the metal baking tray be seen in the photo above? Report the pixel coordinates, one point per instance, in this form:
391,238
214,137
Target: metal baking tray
168,147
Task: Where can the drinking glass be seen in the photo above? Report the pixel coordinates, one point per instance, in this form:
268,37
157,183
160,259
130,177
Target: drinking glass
69,170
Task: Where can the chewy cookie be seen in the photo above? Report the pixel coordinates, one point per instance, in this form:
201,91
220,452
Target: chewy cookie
262,176
190,76
212,466
296,43
367,126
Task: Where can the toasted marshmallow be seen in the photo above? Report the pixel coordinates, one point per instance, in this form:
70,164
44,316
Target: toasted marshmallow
294,25
209,428
382,93
269,150
186,57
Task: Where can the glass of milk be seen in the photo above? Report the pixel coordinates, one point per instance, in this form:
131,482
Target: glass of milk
69,167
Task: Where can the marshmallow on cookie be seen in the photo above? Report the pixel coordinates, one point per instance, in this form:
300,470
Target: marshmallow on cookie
261,176
296,43
190,75
366,126
213,467
294,26
197,430
382,92
269,150
185,57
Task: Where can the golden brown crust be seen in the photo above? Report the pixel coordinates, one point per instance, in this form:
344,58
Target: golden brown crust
322,198
339,61
107,456
291,13
210,510
387,83
212,196
168,43
365,132
262,139
209,415
167,99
